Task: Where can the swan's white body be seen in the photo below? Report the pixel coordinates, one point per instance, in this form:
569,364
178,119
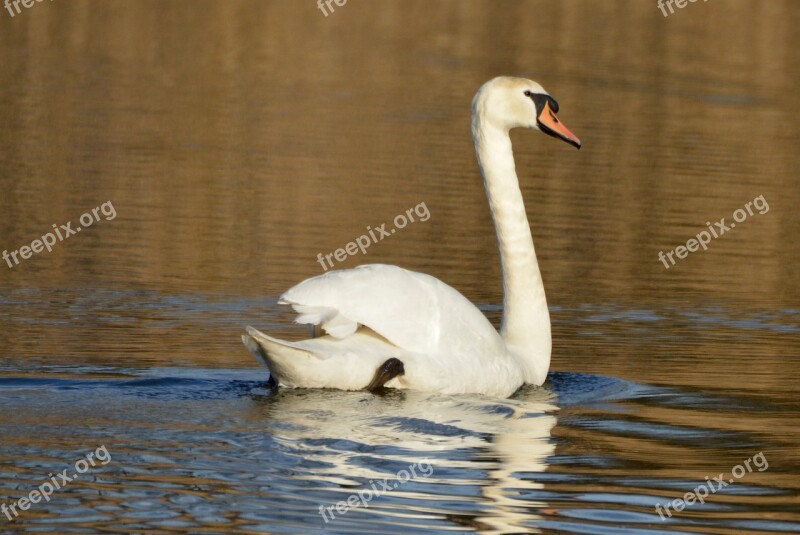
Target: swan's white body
376,312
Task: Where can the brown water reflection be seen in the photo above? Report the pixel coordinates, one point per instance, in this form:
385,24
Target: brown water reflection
239,139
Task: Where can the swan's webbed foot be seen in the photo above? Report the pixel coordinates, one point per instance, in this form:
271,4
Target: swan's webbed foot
385,373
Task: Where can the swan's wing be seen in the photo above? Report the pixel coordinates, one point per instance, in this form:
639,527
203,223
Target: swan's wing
414,311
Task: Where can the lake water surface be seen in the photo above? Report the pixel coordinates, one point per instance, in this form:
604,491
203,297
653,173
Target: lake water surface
238,140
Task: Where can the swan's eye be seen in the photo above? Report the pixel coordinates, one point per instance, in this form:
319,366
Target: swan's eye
528,94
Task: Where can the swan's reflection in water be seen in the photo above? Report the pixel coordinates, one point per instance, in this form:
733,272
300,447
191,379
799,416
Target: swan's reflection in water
484,453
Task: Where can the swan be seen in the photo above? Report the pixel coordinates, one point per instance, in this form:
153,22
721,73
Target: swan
390,327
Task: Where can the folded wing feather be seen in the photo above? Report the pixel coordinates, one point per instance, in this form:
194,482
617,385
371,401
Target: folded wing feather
414,311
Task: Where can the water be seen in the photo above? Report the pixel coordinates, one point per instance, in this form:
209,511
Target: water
239,140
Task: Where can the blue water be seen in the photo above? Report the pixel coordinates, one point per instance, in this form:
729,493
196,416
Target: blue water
214,449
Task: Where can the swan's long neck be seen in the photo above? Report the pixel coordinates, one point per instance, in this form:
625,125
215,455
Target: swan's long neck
526,320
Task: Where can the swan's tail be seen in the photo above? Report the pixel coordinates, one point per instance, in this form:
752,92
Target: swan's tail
255,349
260,355
348,364
277,355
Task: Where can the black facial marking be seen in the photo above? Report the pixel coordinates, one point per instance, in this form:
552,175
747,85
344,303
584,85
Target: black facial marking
540,99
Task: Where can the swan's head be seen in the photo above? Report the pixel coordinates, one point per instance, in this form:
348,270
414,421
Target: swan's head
507,102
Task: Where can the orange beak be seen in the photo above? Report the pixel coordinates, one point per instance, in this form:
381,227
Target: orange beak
550,125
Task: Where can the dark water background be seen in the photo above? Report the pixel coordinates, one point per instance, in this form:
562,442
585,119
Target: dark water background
237,140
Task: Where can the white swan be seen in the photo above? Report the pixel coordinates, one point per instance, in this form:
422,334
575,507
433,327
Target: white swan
387,326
